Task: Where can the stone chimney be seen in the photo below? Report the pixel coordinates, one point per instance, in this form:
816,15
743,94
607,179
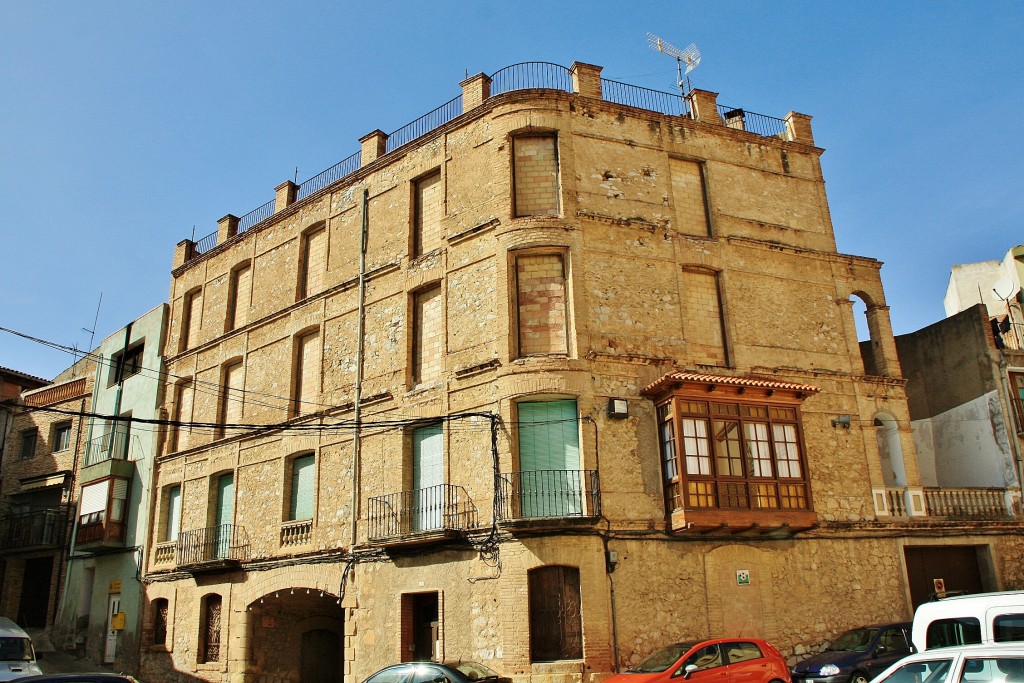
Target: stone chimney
704,105
285,197
586,80
475,90
374,144
798,128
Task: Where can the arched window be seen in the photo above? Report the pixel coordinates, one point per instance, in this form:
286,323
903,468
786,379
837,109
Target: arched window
209,629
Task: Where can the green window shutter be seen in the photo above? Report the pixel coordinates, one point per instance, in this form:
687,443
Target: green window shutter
549,437
302,487
428,457
225,499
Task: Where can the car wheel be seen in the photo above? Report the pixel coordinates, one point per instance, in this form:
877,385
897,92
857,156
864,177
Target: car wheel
859,677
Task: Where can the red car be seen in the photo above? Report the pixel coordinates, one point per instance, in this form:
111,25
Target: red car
715,660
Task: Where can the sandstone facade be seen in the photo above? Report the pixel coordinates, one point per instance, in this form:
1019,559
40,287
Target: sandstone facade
373,461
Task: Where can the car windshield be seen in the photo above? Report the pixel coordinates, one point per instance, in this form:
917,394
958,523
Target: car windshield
15,649
857,640
929,671
473,670
662,659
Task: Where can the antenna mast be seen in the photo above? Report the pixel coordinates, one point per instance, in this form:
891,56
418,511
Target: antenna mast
689,56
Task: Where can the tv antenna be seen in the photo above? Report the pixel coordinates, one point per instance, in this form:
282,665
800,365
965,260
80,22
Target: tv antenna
690,57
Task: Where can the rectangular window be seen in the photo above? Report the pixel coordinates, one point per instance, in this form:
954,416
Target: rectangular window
125,364
428,208
239,297
232,395
1017,398
61,436
183,415
535,175
314,263
541,304
172,519
28,442
703,325
428,336
307,374
550,480
556,626
732,455
303,479
688,197
192,319
93,502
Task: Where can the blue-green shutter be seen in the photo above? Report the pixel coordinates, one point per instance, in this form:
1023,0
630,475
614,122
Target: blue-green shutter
549,459
302,487
225,514
427,477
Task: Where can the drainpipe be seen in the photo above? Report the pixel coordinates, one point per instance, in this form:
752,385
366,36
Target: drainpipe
356,440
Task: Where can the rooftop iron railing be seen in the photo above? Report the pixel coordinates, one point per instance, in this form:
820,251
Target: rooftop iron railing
759,124
644,98
523,76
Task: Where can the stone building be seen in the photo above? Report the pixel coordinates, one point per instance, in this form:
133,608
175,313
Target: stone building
37,494
562,372
113,484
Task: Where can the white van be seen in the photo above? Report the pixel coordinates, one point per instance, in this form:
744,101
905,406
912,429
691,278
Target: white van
967,619
17,656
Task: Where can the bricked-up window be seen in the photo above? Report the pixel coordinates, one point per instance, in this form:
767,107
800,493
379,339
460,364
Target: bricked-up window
28,442
184,395
231,395
313,269
688,197
209,633
428,337
719,454
191,319
61,436
1017,398
160,621
428,208
307,374
535,176
703,325
541,304
125,364
556,627
239,297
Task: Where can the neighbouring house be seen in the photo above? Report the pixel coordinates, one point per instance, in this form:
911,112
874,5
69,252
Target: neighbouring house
559,373
100,608
44,445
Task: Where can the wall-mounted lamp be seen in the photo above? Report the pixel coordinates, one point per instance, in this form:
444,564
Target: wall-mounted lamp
618,408
841,421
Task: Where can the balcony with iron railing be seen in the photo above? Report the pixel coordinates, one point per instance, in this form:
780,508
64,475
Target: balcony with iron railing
211,549
420,515
967,503
32,530
523,76
546,496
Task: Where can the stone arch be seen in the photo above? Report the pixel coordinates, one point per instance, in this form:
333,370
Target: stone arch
878,351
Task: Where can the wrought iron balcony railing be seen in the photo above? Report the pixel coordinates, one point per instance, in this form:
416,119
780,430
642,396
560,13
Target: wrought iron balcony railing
112,446
540,494
38,528
422,511
223,544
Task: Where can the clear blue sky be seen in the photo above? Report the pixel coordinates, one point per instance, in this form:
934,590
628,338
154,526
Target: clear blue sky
124,124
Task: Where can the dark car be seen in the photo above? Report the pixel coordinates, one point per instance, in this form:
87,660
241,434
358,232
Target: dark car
856,656
432,672
85,677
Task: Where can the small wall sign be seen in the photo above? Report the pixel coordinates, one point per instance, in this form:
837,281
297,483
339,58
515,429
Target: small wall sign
742,577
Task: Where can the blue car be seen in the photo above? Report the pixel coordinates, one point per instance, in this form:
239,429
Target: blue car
856,656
